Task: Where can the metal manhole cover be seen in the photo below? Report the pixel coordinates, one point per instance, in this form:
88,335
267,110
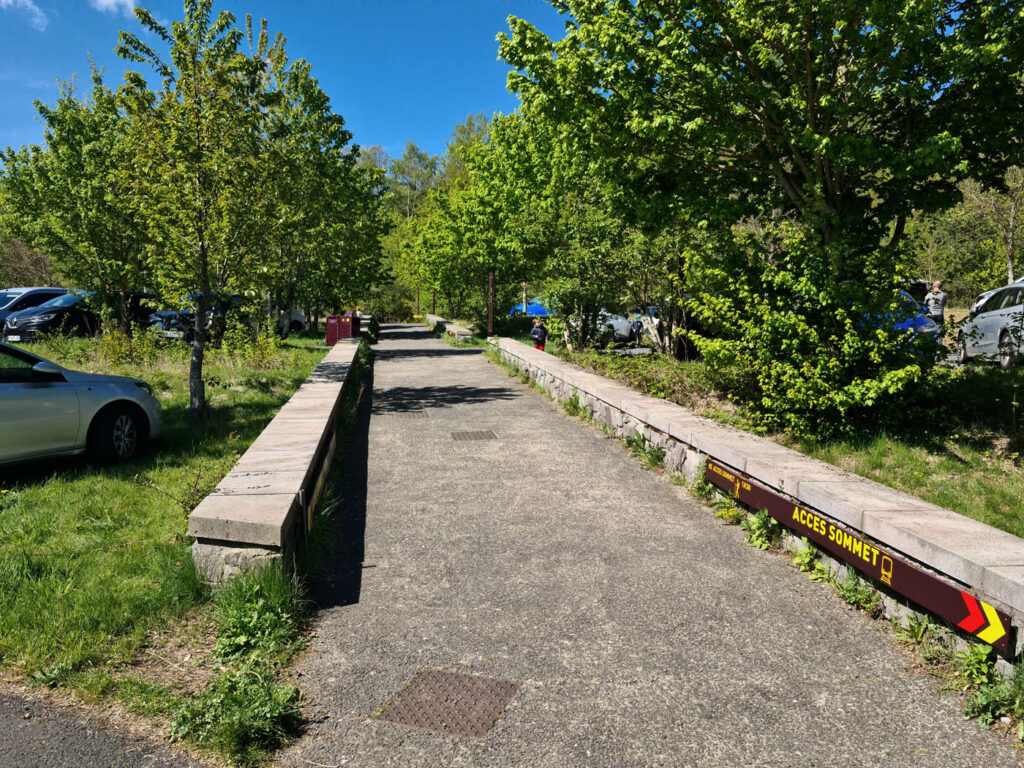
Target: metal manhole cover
407,414
484,434
451,703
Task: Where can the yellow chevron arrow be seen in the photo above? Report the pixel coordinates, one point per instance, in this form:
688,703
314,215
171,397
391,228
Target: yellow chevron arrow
995,628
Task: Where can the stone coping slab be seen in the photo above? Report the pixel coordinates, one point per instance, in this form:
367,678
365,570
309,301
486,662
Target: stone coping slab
970,552
257,502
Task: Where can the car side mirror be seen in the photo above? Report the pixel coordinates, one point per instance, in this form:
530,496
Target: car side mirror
46,371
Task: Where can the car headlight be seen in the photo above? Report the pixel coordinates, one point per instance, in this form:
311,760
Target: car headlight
45,318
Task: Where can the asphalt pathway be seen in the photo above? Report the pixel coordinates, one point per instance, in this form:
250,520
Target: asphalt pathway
642,631
34,734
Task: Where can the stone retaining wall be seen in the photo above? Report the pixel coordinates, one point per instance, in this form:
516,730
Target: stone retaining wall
457,332
263,509
968,554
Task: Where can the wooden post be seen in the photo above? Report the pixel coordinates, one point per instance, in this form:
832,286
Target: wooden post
490,304
433,308
417,300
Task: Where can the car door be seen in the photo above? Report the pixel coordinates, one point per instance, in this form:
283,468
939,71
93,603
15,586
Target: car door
983,338
38,416
1009,318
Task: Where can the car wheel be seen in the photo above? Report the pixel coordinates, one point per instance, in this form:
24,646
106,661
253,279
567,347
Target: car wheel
114,436
295,327
1006,352
961,350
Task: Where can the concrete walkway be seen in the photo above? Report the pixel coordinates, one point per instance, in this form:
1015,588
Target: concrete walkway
643,632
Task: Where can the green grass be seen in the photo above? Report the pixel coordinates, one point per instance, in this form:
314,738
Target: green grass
92,559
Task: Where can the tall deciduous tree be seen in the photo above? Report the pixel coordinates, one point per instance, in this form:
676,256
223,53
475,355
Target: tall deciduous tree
66,199
197,178
823,125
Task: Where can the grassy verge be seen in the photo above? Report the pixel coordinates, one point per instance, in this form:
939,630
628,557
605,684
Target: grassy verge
967,459
95,565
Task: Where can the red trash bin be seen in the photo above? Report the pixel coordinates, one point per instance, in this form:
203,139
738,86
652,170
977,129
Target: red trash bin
353,319
333,329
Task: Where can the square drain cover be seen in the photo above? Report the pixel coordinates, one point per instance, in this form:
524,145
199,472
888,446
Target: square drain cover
451,703
407,414
484,434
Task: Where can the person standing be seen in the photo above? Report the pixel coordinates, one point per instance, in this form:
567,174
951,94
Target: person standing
935,303
539,334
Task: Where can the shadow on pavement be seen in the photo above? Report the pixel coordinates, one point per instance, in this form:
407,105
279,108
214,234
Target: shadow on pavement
337,578
399,399
392,354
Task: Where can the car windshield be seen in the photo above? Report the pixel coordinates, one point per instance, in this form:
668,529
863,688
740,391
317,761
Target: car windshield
909,304
67,300
6,297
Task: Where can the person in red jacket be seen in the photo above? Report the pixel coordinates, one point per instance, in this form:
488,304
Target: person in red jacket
539,334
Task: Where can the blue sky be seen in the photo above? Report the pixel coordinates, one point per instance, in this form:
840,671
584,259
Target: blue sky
396,70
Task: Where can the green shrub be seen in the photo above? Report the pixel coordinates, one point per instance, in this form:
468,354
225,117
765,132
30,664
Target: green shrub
243,713
859,594
258,613
761,529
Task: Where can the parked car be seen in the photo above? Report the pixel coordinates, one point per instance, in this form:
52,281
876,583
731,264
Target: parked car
913,319
68,314
294,321
534,308
47,410
985,294
180,323
17,299
993,329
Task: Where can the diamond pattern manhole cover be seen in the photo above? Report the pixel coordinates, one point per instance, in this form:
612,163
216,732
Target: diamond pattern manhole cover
407,414
451,703
483,434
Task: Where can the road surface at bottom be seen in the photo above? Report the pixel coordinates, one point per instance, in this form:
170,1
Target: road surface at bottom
639,629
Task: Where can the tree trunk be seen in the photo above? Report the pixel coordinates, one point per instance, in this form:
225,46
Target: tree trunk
196,385
1011,240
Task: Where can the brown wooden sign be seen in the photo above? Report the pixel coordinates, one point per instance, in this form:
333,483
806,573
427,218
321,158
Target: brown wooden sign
928,591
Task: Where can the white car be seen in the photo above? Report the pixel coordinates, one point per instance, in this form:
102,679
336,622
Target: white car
47,410
995,328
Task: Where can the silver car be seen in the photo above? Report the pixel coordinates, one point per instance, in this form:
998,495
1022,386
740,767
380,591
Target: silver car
994,328
46,410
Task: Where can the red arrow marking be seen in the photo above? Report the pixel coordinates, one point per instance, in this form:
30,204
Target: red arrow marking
975,618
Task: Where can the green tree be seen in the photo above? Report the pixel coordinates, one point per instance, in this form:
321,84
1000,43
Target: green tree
412,176
66,200
795,140
197,177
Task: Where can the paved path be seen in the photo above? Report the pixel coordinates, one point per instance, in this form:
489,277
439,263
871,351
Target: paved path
643,631
34,734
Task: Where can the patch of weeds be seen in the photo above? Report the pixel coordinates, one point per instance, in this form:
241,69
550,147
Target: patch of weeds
974,667
574,407
727,511
761,529
651,455
608,429
701,487
244,713
918,630
53,675
859,594
993,701
258,613
145,698
806,560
